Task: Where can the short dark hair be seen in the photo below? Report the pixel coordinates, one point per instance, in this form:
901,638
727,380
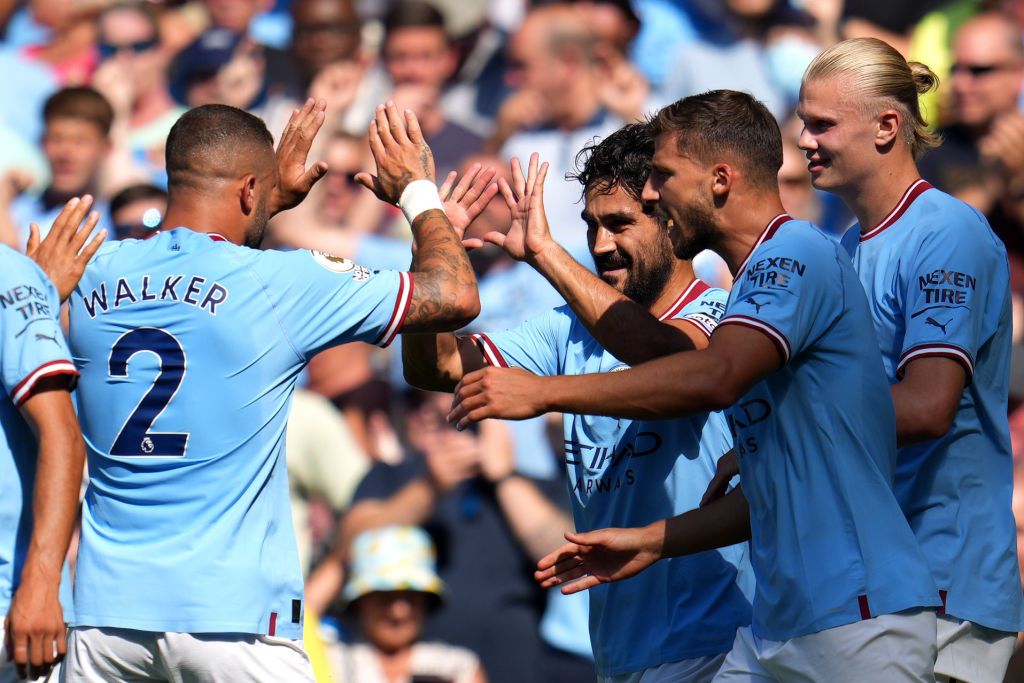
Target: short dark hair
718,121
82,103
134,193
207,140
412,14
623,160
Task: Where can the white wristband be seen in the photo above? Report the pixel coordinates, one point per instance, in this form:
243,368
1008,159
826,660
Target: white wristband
417,197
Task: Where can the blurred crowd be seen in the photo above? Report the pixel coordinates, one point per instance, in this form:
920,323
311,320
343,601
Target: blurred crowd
416,566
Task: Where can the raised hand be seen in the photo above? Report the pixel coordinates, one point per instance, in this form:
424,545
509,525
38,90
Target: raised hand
529,234
400,152
294,180
64,254
597,557
510,393
464,201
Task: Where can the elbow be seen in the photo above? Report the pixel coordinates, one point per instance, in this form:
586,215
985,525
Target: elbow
929,424
421,378
465,308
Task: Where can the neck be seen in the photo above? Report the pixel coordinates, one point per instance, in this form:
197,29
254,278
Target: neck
746,220
875,196
201,213
681,277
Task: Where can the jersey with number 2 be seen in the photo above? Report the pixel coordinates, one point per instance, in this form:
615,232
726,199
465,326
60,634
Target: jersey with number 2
189,348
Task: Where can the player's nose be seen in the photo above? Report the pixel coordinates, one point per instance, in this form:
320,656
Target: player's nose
649,194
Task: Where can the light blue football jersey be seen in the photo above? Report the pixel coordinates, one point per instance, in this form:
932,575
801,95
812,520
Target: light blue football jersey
817,445
938,286
31,347
625,473
189,348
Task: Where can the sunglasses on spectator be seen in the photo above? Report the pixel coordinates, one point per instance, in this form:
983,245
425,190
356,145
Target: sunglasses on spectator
108,50
978,70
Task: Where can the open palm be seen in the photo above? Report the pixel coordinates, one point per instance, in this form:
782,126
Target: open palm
529,233
465,201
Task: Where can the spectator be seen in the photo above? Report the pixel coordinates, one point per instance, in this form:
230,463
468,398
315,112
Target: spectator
986,130
137,210
453,492
763,50
133,78
323,32
76,142
393,584
419,60
557,108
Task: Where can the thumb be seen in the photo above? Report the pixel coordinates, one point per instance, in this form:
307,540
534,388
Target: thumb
472,243
315,173
495,238
370,182
33,239
586,538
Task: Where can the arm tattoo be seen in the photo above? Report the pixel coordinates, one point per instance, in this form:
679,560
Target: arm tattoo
443,274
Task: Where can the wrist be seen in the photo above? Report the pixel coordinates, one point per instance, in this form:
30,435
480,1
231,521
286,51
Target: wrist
546,258
417,197
501,478
653,538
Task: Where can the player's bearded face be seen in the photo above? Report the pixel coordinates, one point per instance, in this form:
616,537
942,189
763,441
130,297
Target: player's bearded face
693,228
647,264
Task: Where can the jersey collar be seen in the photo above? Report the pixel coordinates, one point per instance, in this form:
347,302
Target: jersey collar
216,237
766,234
912,193
694,290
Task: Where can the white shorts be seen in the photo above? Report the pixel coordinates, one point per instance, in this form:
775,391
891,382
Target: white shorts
893,648
972,653
9,672
696,670
98,655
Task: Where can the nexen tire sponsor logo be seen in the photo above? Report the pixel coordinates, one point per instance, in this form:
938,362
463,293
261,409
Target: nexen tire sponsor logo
775,271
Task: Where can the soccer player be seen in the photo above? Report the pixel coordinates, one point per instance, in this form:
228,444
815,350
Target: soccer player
189,345
679,620
41,448
938,284
843,592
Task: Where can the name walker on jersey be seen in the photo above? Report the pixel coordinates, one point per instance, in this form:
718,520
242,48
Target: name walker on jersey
194,291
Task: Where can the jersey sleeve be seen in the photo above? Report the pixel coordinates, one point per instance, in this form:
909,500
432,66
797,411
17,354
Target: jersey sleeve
33,346
323,300
953,285
783,292
534,345
706,311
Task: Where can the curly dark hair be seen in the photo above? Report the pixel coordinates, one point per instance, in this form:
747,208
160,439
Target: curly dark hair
623,159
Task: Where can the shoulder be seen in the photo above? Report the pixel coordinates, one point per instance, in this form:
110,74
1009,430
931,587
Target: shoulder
798,239
939,222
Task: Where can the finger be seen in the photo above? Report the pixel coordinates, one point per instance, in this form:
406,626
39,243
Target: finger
396,123
472,243
376,143
588,538
62,643
495,238
518,182
82,234
508,194
562,554
383,127
446,187
531,173
313,175
537,201
466,184
566,576
481,181
308,129
586,583
370,182
33,239
477,207
35,651
63,218
93,246
414,131
78,214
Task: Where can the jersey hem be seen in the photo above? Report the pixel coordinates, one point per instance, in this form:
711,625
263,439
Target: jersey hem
286,630
845,618
770,331
491,352
930,350
402,303
26,387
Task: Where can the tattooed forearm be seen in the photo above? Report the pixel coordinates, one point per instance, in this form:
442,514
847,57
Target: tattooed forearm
444,293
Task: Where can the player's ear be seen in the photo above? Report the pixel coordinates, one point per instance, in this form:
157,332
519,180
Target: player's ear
247,194
888,127
722,177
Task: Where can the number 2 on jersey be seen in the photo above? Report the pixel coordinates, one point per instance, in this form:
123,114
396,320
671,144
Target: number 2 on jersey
135,439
